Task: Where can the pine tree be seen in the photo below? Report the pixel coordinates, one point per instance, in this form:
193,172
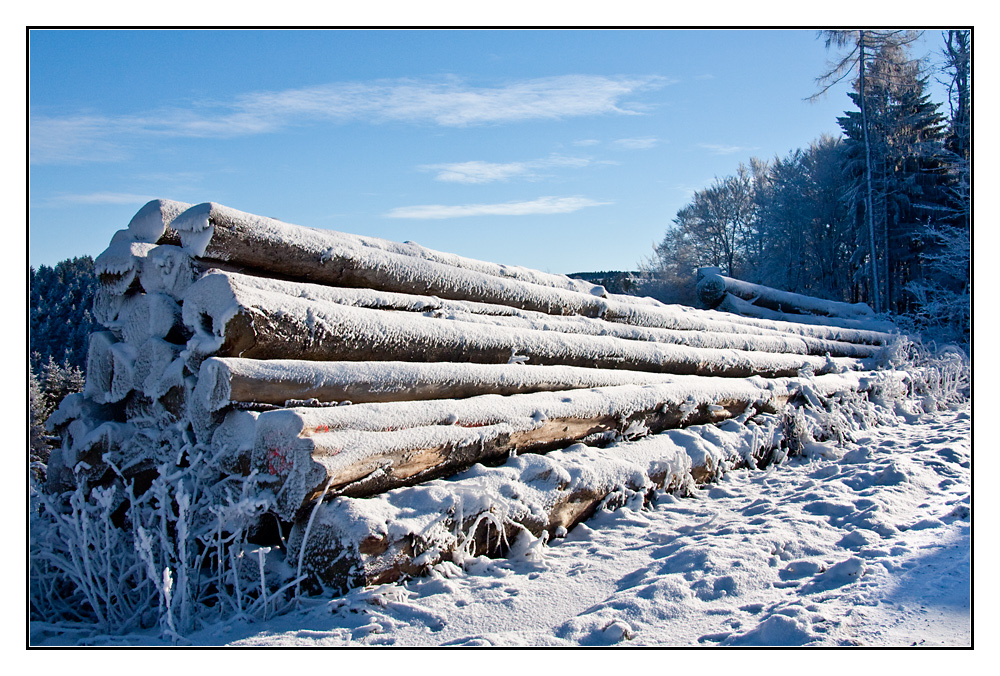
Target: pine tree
60,319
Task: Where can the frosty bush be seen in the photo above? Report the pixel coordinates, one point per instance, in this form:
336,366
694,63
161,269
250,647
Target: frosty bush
173,556
934,378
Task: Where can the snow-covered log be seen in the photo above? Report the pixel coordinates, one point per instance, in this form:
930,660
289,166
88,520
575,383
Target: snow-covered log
737,305
692,319
100,366
287,382
352,542
713,286
700,333
211,231
151,223
230,318
366,449
169,270
150,315
204,219
118,266
158,368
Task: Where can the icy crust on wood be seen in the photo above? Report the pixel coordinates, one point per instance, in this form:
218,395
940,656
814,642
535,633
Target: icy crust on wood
169,270
230,318
148,315
365,449
158,368
118,266
214,232
100,366
351,542
151,223
692,319
281,382
761,342
734,304
205,217
712,287
698,332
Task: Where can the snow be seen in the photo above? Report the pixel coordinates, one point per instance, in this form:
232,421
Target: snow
712,285
167,269
869,545
214,300
118,266
197,228
151,221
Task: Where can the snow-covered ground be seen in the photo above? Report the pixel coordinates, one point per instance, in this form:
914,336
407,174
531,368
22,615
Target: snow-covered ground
868,544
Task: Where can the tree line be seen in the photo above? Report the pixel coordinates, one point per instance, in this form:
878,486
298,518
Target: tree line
880,215
60,322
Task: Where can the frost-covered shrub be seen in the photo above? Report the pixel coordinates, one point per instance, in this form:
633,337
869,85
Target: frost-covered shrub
916,379
177,554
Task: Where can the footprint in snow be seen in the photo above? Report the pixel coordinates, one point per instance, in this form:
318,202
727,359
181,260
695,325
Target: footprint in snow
838,575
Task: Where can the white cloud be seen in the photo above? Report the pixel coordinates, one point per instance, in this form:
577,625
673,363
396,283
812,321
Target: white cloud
477,172
542,205
450,102
488,172
586,142
643,143
104,198
723,149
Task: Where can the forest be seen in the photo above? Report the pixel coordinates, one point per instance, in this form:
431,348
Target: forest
880,215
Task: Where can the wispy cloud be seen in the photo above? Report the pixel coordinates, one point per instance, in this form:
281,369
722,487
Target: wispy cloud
586,142
103,198
644,143
542,205
489,172
723,149
450,102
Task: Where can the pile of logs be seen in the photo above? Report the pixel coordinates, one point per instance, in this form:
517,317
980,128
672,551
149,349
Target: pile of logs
356,377
726,294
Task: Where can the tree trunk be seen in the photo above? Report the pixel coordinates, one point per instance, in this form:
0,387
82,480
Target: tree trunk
349,542
366,449
280,382
214,232
737,305
231,320
869,204
712,288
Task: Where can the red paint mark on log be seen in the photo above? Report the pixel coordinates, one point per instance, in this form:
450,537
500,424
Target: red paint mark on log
277,461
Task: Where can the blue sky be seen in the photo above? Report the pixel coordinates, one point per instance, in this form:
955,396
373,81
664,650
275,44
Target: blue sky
563,151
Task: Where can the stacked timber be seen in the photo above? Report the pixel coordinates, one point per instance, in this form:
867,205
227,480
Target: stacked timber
398,404
718,292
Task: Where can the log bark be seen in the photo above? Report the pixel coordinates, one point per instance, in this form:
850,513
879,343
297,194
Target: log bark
353,542
230,320
279,382
691,319
201,222
366,449
723,337
211,231
712,288
737,305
